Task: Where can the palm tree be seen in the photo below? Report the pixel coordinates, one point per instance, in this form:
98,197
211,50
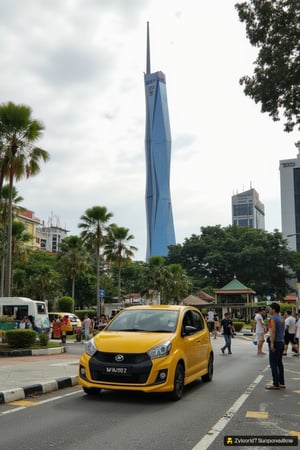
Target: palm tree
16,198
94,229
117,249
74,259
178,285
18,158
155,278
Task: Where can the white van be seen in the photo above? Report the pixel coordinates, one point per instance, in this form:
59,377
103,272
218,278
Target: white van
12,310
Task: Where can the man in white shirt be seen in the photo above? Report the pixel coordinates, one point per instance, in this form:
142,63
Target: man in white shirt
290,327
260,329
211,321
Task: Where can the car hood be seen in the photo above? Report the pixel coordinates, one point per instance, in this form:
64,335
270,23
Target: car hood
129,342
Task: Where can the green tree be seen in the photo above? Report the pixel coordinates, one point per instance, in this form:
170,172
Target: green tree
258,258
155,278
73,259
19,158
19,239
273,27
117,249
38,278
132,276
16,198
66,304
178,284
94,225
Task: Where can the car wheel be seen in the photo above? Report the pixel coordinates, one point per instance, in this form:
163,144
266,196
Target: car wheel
210,369
177,392
91,391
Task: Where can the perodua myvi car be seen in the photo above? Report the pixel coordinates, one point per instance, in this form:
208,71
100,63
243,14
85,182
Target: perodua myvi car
157,348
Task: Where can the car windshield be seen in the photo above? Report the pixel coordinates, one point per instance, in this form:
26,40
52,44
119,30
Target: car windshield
159,321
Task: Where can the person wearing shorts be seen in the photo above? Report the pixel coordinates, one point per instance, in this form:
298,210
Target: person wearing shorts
289,335
260,330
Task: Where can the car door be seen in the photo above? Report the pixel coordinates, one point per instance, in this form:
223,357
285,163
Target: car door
194,344
203,340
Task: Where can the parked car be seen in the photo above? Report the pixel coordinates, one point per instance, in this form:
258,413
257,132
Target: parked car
71,327
157,348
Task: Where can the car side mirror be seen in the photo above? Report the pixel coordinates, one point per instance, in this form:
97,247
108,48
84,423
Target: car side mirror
188,329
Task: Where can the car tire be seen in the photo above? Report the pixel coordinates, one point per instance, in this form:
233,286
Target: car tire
92,391
178,389
210,369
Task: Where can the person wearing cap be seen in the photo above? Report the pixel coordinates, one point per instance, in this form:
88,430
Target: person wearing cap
260,330
276,347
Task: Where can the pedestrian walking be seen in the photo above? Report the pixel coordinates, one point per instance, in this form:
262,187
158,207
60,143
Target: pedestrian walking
289,335
228,330
276,347
297,337
260,329
87,324
210,322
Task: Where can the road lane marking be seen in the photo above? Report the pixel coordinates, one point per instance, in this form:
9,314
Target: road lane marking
257,414
214,432
23,403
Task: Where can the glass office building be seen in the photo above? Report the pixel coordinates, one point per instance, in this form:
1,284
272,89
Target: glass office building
248,210
160,227
290,199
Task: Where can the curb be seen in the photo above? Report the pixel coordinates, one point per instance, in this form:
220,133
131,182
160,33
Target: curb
35,352
15,394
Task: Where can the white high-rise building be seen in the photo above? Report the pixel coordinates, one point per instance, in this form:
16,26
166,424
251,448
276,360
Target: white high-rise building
51,235
290,199
248,210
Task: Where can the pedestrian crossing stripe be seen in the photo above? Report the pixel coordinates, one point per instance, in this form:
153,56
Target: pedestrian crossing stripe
23,403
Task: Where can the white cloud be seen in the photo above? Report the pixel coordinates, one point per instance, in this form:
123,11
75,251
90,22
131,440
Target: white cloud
79,65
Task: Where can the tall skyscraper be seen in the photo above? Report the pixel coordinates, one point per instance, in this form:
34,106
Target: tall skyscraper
248,210
290,199
160,227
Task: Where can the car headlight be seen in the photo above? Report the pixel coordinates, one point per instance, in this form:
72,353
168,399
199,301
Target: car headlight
90,347
160,350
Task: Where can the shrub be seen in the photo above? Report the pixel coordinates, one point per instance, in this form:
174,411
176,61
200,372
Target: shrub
3,336
44,339
238,326
20,338
66,304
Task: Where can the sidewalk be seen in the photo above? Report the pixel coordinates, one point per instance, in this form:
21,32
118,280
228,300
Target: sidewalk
22,376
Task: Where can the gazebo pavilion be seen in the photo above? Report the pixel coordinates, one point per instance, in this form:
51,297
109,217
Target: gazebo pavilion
235,298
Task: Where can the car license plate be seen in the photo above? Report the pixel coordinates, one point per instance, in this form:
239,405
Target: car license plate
113,370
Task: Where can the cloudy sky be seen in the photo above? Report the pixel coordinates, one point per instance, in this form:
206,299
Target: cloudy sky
79,65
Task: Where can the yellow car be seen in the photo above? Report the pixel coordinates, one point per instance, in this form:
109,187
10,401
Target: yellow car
157,348
73,323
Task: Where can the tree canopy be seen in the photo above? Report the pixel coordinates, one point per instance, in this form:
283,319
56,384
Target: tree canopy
19,158
273,27
259,259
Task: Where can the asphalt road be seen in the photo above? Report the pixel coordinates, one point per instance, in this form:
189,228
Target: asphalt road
234,403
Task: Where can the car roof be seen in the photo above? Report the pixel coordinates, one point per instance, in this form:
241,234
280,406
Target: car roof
161,307
59,313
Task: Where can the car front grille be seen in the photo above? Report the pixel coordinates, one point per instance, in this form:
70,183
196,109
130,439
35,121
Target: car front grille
133,369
